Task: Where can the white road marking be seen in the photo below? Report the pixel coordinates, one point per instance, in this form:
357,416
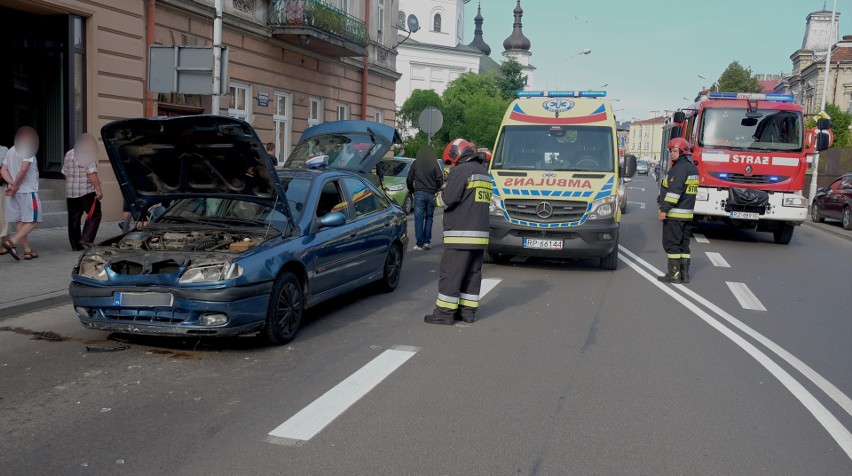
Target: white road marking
700,238
487,285
838,396
636,188
746,298
836,429
313,418
641,204
717,260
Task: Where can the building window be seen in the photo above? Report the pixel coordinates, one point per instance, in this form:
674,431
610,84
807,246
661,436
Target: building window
314,111
381,6
436,23
239,101
342,112
377,116
282,125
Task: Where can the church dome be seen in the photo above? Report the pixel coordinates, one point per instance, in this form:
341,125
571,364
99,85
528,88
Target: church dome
517,41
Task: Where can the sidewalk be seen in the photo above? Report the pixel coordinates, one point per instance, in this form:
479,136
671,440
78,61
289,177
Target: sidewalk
831,227
42,282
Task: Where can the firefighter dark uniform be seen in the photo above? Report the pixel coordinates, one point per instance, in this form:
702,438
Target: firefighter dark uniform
465,202
677,201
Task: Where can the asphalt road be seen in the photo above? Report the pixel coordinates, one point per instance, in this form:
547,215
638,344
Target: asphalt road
570,370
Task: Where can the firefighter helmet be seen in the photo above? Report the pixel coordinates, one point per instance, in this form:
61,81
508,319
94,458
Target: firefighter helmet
455,149
679,143
485,153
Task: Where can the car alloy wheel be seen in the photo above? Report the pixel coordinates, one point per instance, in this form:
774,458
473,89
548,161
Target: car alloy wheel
847,219
815,214
285,309
393,268
407,205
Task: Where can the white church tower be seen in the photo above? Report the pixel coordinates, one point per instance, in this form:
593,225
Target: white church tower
517,46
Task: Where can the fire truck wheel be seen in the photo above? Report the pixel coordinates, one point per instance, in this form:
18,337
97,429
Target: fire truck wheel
783,234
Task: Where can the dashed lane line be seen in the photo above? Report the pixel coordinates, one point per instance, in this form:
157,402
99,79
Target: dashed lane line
488,284
746,298
700,238
641,204
717,259
832,425
830,389
313,418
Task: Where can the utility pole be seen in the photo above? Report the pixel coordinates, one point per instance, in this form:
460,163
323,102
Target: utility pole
217,57
822,102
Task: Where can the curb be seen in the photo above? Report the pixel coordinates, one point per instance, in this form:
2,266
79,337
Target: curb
830,229
30,304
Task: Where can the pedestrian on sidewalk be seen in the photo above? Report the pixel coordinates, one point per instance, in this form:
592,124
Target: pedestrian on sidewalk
465,200
82,191
424,181
677,201
23,205
4,225
270,150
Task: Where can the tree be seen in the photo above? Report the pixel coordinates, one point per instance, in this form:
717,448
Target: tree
482,118
840,121
739,79
510,79
464,99
419,100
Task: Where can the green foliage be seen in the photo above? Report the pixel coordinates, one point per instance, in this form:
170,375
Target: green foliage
510,79
840,122
481,120
468,85
739,79
419,100
473,109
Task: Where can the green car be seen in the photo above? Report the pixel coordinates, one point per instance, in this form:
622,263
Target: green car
394,172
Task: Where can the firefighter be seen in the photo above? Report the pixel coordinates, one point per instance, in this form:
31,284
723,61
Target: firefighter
465,199
677,201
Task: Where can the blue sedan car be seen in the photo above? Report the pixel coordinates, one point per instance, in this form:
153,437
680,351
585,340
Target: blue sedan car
241,248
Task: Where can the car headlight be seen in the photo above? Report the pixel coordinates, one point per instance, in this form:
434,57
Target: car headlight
397,187
702,195
795,201
208,273
92,266
495,208
602,208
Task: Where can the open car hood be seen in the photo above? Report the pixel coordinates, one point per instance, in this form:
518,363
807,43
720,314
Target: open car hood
161,159
356,146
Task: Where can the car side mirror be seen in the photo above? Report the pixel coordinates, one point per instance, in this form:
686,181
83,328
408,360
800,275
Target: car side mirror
629,168
822,190
679,116
823,124
822,141
332,219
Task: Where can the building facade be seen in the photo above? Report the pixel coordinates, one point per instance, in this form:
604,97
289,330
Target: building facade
644,139
71,66
807,79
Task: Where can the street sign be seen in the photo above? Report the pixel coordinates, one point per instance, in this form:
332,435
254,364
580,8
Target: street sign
822,115
184,70
811,135
430,121
263,99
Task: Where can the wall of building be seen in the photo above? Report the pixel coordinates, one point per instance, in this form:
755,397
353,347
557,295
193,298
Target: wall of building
645,139
452,18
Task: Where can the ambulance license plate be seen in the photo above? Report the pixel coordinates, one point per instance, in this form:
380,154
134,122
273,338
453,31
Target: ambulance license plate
745,215
539,244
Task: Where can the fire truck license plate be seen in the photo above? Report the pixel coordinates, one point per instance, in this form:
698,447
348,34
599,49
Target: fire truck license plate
745,215
542,244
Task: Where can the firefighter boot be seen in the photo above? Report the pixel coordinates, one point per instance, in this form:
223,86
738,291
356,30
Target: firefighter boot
673,276
684,270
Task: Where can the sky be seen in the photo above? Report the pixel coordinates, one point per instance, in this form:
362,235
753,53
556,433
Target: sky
649,53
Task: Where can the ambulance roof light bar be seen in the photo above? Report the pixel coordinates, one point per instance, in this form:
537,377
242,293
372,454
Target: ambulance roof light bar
753,96
562,94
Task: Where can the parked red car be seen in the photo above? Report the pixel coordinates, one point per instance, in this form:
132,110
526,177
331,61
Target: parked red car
835,201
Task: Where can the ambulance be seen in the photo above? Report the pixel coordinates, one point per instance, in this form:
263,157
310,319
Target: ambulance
555,172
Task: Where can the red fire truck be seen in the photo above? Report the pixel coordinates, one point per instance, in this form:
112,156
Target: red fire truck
752,156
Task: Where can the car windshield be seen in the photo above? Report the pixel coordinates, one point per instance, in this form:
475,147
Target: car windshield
394,167
344,151
730,128
238,212
642,163
560,148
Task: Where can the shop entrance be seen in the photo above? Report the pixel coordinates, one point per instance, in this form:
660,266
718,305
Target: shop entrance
42,82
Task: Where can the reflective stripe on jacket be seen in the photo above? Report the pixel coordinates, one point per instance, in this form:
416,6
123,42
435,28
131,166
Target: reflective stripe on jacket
678,190
465,201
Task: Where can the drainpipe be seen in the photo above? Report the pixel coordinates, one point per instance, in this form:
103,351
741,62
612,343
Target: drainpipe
217,57
150,24
366,73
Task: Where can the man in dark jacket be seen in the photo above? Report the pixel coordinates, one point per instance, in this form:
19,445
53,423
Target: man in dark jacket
677,201
465,201
424,181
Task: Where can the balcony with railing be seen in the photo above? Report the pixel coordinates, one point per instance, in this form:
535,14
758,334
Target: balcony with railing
318,27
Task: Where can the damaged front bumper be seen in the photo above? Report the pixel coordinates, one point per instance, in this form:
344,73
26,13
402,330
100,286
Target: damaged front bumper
202,312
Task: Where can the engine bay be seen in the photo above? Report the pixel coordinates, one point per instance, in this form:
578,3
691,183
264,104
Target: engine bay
207,240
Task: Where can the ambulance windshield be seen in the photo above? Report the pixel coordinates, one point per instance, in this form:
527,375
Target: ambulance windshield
555,147
729,128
